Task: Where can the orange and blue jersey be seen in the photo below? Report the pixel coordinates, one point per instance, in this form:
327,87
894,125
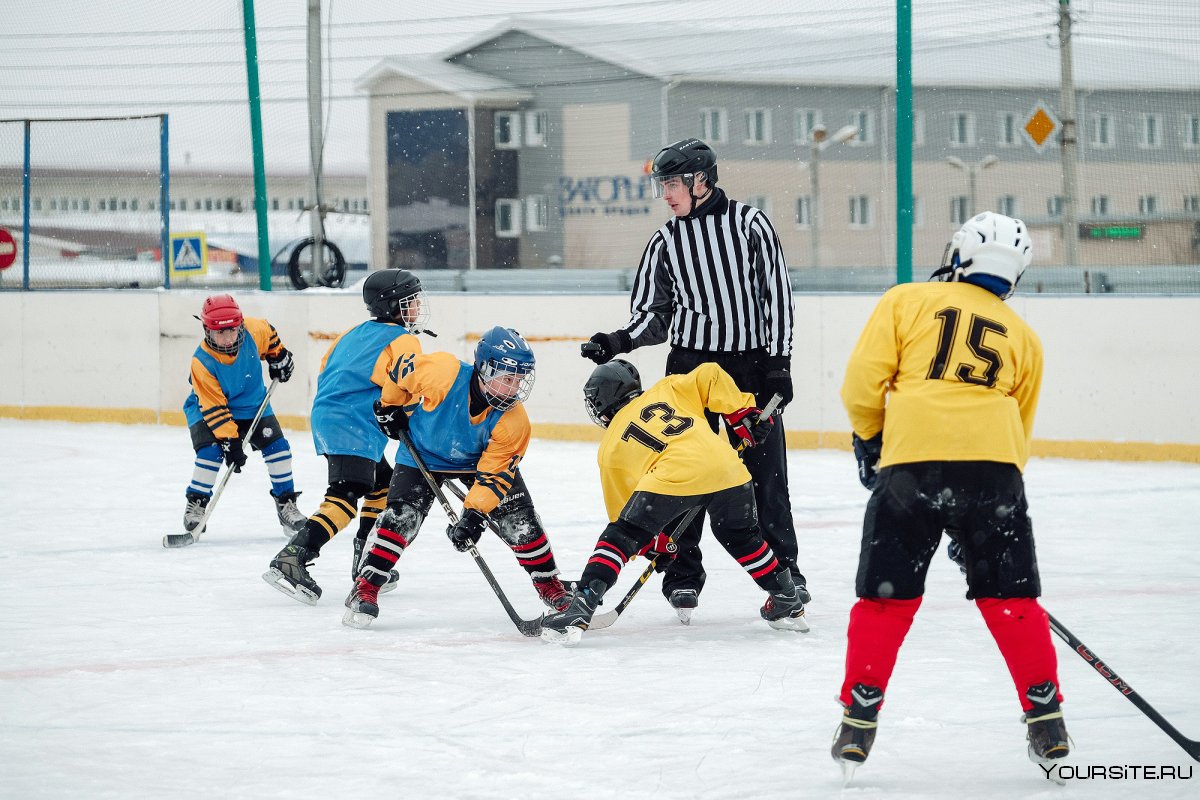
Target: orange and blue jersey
435,389
352,374
230,387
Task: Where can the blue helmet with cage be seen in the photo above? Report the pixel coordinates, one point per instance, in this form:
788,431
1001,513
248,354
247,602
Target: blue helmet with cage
505,365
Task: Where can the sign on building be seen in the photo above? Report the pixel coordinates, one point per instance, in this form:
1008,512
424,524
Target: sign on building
1040,126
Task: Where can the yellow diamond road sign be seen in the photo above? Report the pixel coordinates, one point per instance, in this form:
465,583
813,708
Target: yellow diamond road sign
1039,126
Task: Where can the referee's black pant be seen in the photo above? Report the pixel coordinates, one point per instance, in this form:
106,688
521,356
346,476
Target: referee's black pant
767,464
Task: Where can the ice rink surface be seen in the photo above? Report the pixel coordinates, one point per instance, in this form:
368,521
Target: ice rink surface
130,671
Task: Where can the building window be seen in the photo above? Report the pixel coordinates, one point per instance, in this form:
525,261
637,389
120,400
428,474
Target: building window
1191,130
196,205
860,211
1191,202
1150,131
918,139
1054,206
758,126
537,212
806,120
759,201
958,209
713,125
1147,204
133,204
37,204
804,211
274,203
1007,205
536,123
1010,130
1102,131
962,130
918,212
508,130
85,204
1100,206
864,122
508,218
150,205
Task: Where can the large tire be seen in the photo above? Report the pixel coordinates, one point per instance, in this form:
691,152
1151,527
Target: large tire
333,276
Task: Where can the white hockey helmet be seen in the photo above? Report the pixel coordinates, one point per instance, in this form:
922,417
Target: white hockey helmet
989,244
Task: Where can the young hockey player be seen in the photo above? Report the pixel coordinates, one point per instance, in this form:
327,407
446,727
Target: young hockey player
344,428
227,390
467,422
658,459
941,391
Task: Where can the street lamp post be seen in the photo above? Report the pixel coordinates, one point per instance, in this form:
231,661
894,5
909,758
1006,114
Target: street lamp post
971,170
818,140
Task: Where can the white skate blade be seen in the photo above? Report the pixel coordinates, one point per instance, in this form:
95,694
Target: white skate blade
178,540
569,638
275,578
848,768
357,619
1049,767
796,624
685,615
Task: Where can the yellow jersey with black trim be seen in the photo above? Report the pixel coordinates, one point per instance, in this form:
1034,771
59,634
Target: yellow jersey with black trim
948,372
661,442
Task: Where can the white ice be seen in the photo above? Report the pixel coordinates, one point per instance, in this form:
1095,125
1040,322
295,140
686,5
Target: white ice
131,671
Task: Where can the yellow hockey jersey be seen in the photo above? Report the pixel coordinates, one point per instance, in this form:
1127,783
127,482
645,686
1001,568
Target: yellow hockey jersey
660,441
948,372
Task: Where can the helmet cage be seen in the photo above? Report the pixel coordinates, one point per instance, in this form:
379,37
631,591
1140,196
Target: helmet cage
221,313
506,368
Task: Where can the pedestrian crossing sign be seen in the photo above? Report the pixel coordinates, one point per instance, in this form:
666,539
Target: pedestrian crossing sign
189,254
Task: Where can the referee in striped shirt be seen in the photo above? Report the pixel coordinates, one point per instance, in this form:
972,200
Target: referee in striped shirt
713,280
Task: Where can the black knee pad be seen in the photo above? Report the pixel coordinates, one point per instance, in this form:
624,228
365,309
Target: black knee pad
519,526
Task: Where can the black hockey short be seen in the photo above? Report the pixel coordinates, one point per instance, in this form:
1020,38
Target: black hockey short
363,473
979,504
728,510
268,431
409,487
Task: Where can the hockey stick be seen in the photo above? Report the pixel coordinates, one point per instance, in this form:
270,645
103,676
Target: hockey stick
184,539
1190,746
527,627
602,621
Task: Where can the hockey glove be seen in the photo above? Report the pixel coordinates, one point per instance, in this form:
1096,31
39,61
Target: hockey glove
867,452
232,452
280,367
392,420
779,379
662,548
603,347
466,532
749,426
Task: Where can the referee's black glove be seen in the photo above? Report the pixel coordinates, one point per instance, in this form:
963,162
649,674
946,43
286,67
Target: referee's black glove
603,347
779,379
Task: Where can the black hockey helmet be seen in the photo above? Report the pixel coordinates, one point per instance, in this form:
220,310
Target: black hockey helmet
609,388
389,292
685,159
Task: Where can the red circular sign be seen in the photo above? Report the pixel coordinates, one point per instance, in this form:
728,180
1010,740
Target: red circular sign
8,249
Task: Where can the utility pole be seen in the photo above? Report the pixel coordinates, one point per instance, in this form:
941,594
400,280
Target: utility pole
315,135
1070,229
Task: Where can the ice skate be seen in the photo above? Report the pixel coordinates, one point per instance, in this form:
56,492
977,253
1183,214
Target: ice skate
567,627
1046,730
393,575
193,514
289,574
362,606
553,593
853,739
784,610
290,518
684,601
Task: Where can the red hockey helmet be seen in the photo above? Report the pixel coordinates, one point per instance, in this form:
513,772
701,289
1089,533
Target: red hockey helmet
220,312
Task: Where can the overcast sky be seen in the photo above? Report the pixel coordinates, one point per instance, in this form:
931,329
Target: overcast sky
71,59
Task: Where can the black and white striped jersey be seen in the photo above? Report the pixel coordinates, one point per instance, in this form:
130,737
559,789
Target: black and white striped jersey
716,281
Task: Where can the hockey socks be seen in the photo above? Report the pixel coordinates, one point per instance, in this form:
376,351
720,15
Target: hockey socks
1022,632
876,631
